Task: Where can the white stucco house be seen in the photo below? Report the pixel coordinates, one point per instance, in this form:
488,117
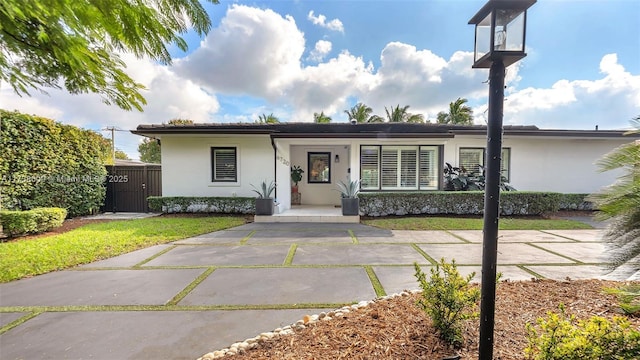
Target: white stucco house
226,159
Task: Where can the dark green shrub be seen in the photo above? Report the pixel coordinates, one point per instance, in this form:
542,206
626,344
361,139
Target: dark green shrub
448,299
455,202
34,221
575,202
48,164
182,204
561,337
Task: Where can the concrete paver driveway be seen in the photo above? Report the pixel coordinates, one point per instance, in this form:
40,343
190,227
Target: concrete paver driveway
181,300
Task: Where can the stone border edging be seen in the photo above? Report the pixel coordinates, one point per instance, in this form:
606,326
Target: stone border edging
248,344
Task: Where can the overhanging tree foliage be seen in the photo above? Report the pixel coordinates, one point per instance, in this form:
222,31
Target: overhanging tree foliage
47,164
149,150
75,44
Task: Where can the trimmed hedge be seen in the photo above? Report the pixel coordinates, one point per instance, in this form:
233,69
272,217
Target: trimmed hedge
575,202
457,203
182,204
15,223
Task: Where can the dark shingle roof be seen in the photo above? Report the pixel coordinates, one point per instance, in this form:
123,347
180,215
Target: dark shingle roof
365,130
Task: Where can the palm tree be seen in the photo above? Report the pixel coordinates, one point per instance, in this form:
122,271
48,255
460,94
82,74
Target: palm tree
459,113
361,113
267,119
399,114
620,202
321,118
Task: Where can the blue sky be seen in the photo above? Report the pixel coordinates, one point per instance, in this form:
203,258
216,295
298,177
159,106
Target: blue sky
294,58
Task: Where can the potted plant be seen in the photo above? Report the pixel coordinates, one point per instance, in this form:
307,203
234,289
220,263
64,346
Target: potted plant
264,201
349,193
296,177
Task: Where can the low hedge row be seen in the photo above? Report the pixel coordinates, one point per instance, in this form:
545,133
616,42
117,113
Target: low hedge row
456,203
186,204
575,202
15,223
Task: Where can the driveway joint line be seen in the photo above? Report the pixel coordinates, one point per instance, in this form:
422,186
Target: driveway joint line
375,281
562,236
458,237
424,254
354,238
19,321
164,251
555,253
189,288
244,240
527,270
292,252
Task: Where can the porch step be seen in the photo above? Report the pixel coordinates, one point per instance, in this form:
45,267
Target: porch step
278,218
308,213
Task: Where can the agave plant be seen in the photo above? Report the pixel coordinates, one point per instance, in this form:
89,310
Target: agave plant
349,190
264,191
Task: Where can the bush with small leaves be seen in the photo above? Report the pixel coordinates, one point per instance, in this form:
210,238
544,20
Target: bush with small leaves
448,299
562,337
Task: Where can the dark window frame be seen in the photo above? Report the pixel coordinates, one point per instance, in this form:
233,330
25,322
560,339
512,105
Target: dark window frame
503,169
213,164
310,167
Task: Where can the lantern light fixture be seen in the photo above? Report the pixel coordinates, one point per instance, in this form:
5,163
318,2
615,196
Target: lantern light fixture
500,32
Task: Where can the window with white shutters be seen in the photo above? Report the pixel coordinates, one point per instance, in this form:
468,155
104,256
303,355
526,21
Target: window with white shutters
428,169
472,158
399,167
370,167
224,164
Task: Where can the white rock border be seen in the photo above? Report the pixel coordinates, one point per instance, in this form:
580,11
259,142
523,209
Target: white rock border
243,346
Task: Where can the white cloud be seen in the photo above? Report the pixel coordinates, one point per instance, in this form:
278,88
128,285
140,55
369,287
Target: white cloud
609,102
321,20
253,51
322,49
257,53
168,96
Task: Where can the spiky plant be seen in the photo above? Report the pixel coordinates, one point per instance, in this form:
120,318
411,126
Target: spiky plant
350,189
620,202
264,191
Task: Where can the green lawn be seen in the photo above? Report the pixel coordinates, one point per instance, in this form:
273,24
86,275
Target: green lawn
93,242
455,223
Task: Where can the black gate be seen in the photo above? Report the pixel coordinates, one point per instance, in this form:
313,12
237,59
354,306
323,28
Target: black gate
129,186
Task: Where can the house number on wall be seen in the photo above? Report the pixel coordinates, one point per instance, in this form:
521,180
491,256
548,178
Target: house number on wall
283,160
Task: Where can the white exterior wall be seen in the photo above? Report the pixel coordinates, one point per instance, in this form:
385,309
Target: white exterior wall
186,164
549,164
537,164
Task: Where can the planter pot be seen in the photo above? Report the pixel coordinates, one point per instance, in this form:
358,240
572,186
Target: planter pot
264,206
350,206
294,189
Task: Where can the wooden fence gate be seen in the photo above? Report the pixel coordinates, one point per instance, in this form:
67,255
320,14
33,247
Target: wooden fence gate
128,187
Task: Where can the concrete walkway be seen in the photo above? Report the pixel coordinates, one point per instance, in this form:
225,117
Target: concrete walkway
182,300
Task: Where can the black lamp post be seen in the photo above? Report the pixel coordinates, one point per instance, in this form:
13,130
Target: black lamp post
499,42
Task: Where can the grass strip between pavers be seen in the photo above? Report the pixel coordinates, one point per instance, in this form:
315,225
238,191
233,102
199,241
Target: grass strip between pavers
529,271
292,252
562,236
375,282
458,237
555,253
155,256
244,240
354,238
19,321
424,254
176,299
